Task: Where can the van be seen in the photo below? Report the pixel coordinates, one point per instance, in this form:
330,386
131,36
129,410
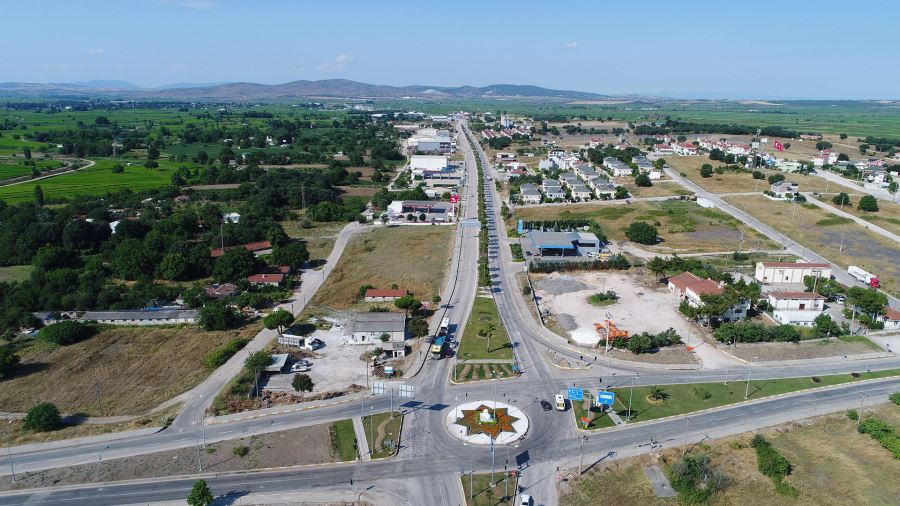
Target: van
560,402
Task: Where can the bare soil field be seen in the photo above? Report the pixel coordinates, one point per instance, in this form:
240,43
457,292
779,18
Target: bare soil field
832,464
683,226
415,258
358,191
307,445
803,350
132,368
804,225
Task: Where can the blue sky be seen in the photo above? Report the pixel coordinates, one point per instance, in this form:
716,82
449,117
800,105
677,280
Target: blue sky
759,49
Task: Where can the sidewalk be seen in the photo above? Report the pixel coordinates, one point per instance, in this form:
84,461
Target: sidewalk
362,444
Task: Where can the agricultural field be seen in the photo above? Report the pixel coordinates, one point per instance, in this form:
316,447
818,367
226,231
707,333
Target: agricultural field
841,242
415,258
684,226
826,469
95,180
166,360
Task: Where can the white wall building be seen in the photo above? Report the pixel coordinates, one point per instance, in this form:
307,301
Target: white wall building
796,308
789,272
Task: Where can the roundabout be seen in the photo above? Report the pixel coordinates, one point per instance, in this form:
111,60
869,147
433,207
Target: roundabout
487,422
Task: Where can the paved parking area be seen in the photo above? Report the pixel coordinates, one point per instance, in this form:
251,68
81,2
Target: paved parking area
337,366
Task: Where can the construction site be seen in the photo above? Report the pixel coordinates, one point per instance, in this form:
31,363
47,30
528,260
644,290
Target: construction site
642,306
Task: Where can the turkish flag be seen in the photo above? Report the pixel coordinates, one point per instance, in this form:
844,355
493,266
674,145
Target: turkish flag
454,199
778,146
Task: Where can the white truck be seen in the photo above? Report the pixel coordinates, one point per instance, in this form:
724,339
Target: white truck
864,276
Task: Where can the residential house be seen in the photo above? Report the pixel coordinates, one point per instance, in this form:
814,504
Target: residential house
796,308
580,191
568,178
125,317
690,288
663,149
219,292
643,163
232,218
685,149
891,318
505,157
825,157
274,276
784,189
529,194
553,189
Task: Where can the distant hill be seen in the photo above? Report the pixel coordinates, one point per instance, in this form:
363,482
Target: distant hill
245,91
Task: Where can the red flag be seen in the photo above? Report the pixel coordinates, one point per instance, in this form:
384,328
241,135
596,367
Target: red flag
779,146
454,199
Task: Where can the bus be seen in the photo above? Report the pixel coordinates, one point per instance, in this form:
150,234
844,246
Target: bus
445,327
438,345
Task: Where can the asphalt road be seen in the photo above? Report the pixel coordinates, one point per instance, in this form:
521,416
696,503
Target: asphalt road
430,461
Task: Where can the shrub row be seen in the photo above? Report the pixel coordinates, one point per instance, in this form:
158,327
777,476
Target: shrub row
774,465
746,332
615,262
220,355
884,433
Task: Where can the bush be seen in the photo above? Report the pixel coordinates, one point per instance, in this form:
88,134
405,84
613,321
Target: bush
9,361
774,465
747,332
883,433
642,233
775,178
43,417
758,175
220,355
694,479
117,169
853,414
218,316
706,170
66,332
603,299
240,451
868,203
418,327
643,180
895,398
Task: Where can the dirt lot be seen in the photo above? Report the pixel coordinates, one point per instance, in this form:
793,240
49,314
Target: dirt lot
802,224
684,226
566,297
307,445
801,350
134,369
414,258
832,465
659,189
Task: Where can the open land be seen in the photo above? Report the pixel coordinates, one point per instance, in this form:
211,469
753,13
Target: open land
832,465
415,258
800,223
132,368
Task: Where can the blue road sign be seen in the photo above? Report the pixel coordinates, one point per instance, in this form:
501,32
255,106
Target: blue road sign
575,394
604,397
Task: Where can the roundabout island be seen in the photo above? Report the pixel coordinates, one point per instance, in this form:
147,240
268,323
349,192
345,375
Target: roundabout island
487,422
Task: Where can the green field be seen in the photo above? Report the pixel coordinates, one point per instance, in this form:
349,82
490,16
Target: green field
473,346
382,431
14,273
7,171
682,399
343,440
96,180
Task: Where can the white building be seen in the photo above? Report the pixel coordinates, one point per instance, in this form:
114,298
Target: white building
232,218
891,318
690,288
796,308
784,189
529,194
369,328
430,140
789,272
420,164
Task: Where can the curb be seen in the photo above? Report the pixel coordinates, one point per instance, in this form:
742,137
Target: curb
213,421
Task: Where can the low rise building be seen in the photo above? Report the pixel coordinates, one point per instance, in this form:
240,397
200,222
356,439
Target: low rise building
369,328
561,245
125,317
691,289
890,318
377,295
789,272
435,211
784,189
529,194
796,308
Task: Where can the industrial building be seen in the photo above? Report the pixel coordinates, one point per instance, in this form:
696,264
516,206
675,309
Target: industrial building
561,245
789,272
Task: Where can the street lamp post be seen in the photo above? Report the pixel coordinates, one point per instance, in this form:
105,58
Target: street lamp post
492,462
686,422
12,470
747,390
859,415
630,395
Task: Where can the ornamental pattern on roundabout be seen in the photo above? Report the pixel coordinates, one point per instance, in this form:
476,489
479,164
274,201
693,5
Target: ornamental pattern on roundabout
484,420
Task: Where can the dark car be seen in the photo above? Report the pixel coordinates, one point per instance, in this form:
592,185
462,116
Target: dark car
546,406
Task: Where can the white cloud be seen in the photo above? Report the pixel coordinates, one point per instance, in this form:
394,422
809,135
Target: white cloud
341,62
343,58
96,50
572,44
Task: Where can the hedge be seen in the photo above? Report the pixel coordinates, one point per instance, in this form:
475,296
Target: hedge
220,355
884,433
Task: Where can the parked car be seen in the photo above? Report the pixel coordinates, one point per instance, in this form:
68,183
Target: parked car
525,500
546,406
314,344
301,366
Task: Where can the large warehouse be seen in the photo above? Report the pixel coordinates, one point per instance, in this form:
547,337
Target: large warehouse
568,245
789,272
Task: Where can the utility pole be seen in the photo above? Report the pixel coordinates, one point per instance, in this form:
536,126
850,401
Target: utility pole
12,470
686,422
492,462
859,415
630,395
747,390
99,405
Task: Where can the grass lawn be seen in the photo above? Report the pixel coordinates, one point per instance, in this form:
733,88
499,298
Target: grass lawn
831,464
475,347
681,399
380,429
659,189
343,440
134,369
801,223
598,418
482,492
684,226
15,273
414,258
475,372
96,180
8,171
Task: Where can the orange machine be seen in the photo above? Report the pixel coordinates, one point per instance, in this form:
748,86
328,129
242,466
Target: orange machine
608,329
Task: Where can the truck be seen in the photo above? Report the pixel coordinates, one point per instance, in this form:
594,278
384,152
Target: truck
445,327
864,276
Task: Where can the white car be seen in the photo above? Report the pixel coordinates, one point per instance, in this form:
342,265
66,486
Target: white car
301,366
525,500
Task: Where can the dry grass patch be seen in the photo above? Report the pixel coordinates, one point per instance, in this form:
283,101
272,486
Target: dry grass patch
887,216
319,237
415,258
733,182
134,368
659,189
861,247
832,465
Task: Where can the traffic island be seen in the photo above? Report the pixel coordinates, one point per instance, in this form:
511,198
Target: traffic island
487,422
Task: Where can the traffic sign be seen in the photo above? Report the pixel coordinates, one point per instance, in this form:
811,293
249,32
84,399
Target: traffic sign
407,391
377,388
389,370
604,397
575,394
